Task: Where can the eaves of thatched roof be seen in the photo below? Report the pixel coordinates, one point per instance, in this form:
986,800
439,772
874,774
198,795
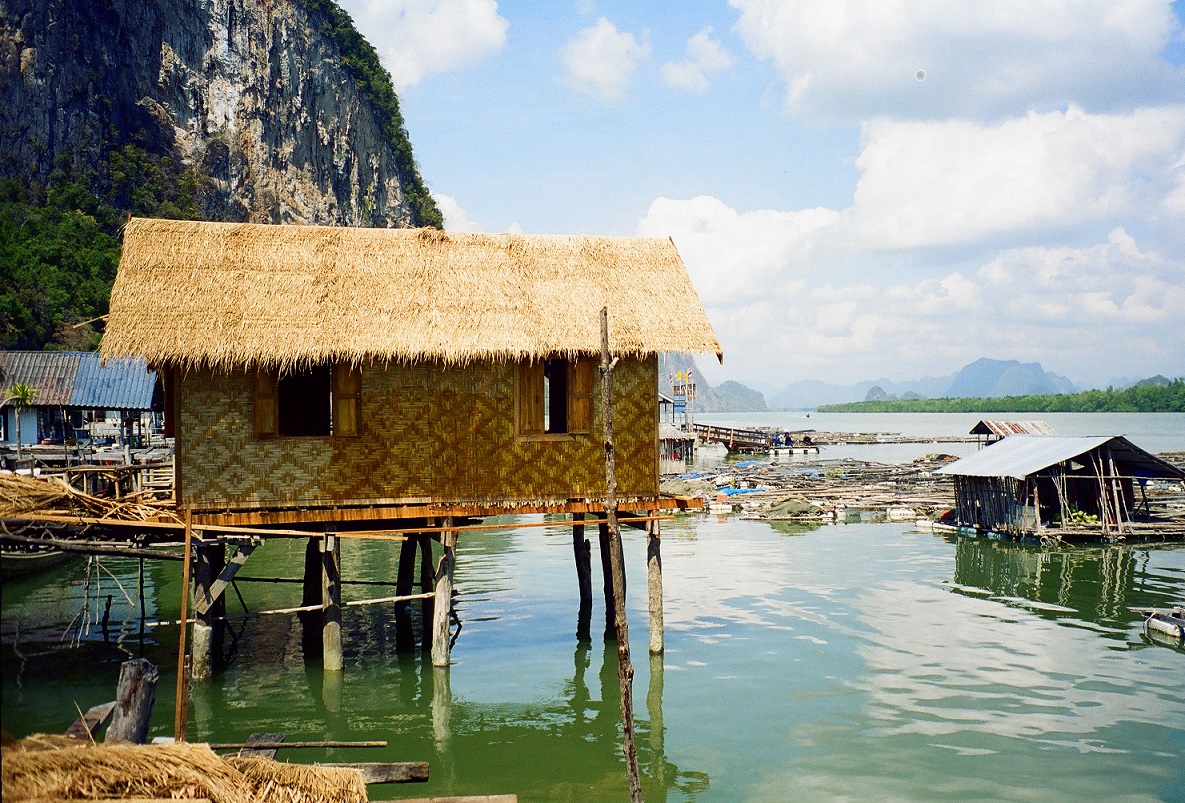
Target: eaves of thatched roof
228,295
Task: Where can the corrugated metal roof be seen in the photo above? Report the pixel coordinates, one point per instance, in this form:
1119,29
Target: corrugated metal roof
1021,455
78,379
118,385
50,373
1005,428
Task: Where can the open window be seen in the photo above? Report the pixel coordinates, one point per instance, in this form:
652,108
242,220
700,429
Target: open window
554,397
318,401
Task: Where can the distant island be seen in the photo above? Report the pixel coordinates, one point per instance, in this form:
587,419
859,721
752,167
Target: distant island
1164,396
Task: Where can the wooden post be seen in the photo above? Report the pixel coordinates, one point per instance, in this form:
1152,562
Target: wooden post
181,714
444,596
134,699
310,621
625,670
404,578
208,627
654,585
427,578
610,604
331,602
582,551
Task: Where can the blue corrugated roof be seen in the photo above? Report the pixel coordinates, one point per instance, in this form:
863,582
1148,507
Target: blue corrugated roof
78,379
118,385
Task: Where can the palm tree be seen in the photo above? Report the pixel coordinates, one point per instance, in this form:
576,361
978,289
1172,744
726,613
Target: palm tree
21,397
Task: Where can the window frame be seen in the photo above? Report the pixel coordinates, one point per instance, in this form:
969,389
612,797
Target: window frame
531,415
345,403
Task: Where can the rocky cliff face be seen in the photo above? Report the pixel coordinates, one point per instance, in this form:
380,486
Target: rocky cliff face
253,102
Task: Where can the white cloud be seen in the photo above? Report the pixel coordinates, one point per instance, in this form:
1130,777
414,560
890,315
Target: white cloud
707,55
419,38
783,311
952,182
455,217
601,60
736,258
853,59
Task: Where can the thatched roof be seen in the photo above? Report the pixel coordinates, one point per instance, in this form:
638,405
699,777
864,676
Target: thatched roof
233,294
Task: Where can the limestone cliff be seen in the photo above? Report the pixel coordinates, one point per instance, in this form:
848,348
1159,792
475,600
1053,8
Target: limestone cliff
269,111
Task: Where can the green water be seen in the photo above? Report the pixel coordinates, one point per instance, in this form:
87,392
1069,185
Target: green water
858,661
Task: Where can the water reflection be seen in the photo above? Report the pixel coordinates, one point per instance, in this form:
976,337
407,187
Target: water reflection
1093,584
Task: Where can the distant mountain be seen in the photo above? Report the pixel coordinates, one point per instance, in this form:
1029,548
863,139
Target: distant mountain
1155,381
808,394
984,378
733,397
728,397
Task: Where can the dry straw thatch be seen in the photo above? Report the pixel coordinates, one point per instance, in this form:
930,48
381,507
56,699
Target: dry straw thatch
277,782
122,771
49,767
228,295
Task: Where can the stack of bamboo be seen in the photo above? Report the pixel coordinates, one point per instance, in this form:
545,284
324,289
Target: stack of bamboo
21,496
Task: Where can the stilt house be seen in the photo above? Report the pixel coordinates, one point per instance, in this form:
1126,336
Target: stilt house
386,373
1023,483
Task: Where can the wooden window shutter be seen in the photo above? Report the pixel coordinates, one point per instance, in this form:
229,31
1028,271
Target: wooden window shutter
347,400
265,403
580,396
529,393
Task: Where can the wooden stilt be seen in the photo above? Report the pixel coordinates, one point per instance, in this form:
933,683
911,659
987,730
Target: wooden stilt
310,620
654,586
582,552
444,597
331,601
607,575
181,714
404,639
209,627
625,669
427,579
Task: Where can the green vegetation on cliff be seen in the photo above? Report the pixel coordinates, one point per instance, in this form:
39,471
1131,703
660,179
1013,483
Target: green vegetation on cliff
59,244
1144,398
361,60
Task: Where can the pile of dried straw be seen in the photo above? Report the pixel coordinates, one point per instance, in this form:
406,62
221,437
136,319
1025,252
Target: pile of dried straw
60,767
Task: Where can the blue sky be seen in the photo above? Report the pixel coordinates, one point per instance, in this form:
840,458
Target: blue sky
860,188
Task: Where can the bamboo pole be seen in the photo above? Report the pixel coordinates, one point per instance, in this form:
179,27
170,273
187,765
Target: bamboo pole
181,714
625,670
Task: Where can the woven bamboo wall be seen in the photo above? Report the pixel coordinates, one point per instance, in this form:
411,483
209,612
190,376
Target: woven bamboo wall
429,433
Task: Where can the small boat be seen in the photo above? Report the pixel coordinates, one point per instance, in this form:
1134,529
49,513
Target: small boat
1164,622
18,562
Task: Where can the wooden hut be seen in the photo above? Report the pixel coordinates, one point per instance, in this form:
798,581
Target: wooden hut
313,367
348,375
1024,483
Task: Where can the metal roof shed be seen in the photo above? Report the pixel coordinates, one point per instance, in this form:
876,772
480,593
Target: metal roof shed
1019,482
